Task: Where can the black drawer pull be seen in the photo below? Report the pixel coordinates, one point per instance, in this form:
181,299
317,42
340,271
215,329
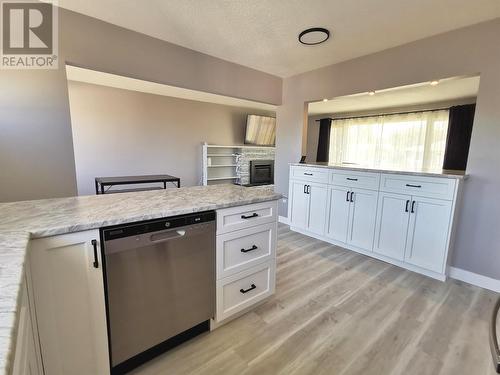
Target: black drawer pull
250,249
250,216
308,174
415,186
407,203
96,261
252,287
352,179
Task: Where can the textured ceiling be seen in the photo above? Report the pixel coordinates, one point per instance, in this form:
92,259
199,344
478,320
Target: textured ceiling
398,97
263,34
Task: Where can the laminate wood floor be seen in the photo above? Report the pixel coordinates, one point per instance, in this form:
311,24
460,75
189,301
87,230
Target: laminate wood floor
339,312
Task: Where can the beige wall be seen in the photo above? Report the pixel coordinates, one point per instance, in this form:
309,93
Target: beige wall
121,132
466,51
312,130
36,149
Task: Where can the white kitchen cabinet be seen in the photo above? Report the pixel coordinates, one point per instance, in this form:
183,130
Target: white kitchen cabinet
299,204
67,282
318,194
362,213
308,209
403,219
246,258
26,359
352,216
338,221
392,225
428,233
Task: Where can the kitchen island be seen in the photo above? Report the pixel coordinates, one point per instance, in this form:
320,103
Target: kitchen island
24,222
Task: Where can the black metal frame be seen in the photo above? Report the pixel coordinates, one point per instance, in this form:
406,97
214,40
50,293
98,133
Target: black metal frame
102,182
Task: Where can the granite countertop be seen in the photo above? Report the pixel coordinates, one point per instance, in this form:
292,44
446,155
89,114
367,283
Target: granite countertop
446,173
20,221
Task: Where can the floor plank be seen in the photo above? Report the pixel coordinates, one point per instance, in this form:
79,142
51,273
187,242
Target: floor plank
338,312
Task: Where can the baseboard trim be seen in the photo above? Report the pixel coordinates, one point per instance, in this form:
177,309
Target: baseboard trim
284,220
474,279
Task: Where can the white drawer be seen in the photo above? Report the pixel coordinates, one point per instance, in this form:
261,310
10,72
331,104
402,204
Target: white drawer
310,174
433,187
245,248
355,179
240,217
242,290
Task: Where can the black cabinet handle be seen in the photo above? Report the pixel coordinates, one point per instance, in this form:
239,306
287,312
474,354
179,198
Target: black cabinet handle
347,196
96,261
250,216
305,189
252,287
250,249
308,189
352,195
308,174
415,186
407,203
352,179
413,207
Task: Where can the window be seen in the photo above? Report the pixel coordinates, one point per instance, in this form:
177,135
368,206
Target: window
401,141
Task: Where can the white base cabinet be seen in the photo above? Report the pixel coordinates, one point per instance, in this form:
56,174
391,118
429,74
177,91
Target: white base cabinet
351,218
403,219
69,302
27,360
308,209
246,259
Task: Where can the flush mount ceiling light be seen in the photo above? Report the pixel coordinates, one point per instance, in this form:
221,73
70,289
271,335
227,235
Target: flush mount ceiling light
371,93
325,100
314,35
434,83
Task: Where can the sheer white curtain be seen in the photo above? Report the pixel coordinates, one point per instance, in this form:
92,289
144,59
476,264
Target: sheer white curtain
400,141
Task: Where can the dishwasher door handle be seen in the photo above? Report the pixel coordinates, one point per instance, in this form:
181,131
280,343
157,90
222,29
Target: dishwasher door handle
495,352
166,236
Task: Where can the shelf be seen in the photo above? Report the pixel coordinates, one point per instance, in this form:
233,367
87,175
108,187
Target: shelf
216,166
241,146
222,155
222,178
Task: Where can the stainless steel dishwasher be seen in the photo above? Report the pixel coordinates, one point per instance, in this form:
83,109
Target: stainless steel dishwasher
160,285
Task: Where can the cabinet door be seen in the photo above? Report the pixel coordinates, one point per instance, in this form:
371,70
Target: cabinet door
69,304
428,233
363,212
299,204
392,225
339,214
25,356
318,199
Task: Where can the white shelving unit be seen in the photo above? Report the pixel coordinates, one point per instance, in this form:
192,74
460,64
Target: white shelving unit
220,162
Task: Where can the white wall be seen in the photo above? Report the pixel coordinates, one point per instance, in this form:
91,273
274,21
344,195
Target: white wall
121,132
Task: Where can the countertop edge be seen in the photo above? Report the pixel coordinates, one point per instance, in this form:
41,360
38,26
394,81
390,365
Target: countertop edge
388,171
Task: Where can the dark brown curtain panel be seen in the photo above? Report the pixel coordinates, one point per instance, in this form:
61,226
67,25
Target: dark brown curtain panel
324,140
458,138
